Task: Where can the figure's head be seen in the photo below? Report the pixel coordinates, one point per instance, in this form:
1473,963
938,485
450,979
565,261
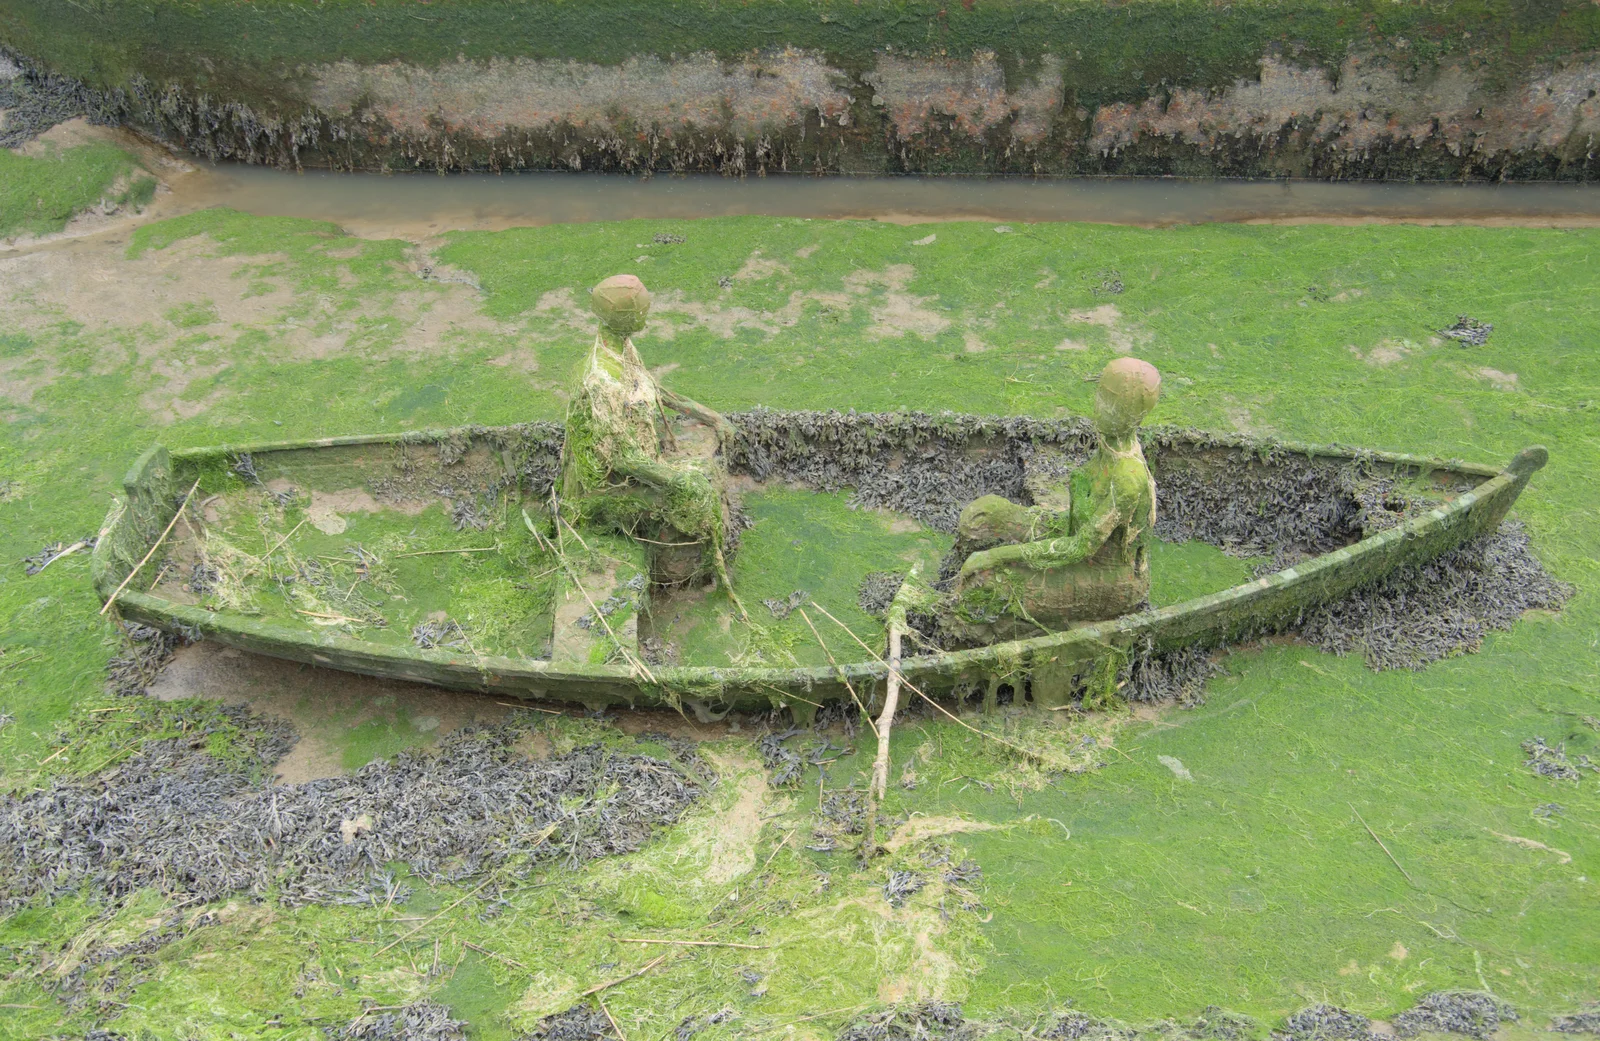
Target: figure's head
1128,391
622,302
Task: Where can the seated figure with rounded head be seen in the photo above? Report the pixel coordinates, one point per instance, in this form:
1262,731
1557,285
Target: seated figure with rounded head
624,469
1049,567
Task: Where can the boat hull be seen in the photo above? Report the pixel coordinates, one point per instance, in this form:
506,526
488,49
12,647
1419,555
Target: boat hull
1049,665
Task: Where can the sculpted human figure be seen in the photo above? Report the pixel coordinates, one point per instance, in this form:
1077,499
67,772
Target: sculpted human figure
622,467
1054,566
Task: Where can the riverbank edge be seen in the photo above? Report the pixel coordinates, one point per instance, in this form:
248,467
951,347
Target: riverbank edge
1362,90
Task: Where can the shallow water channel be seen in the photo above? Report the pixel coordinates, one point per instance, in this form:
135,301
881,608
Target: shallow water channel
407,205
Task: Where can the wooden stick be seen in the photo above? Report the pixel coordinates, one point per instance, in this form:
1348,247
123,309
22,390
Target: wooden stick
613,1019
170,525
891,701
891,696
436,552
776,851
1036,756
697,943
1381,846
64,553
531,708
598,987
334,617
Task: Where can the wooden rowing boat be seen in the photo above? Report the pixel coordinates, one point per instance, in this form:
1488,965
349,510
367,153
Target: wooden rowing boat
275,531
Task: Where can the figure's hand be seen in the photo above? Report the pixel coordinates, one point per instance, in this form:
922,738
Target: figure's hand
989,559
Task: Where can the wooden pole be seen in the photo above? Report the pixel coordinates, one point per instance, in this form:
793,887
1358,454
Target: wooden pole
891,697
173,523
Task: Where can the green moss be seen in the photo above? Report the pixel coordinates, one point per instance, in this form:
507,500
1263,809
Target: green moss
799,542
192,315
1252,887
1115,50
39,194
1182,571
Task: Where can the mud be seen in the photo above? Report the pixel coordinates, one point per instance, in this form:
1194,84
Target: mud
424,1020
1584,1021
1472,1013
180,820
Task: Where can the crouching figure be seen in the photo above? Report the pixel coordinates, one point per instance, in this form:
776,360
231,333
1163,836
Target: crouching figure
1081,557
625,468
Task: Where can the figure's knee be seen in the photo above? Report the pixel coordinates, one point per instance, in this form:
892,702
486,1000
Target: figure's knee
993,520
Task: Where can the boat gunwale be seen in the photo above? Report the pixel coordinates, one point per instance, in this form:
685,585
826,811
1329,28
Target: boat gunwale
503,674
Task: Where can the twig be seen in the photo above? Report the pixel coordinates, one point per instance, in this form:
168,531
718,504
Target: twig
598,987
436,552
170,525
497,957
697,943
836,667
548,831
1036,756
1381,846
776,851
279,544
11,662
436,915
634,662
334,617
531,708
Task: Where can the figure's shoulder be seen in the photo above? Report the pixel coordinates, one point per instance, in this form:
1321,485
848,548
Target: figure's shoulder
1130,474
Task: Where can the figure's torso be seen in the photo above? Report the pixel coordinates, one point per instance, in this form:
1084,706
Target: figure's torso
1123,479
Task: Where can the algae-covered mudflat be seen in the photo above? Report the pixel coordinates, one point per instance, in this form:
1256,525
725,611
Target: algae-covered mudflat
1315,831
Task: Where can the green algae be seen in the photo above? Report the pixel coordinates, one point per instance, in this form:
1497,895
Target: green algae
40,193
799,543
1290,888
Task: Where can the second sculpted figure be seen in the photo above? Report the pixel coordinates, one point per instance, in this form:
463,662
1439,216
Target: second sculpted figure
1085,556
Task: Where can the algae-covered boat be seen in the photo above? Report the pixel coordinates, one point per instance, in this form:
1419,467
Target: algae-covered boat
417,556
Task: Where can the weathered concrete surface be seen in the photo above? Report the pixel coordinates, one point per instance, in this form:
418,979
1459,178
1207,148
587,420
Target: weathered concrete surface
1372,107
789,109
758,95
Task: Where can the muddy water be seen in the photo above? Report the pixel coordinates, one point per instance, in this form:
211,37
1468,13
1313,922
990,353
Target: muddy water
413,205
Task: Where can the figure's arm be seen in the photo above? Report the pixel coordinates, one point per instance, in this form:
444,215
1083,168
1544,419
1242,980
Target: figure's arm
646,471
693,408
1065,549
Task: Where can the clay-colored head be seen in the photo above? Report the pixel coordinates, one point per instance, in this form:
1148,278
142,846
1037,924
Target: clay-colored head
1128,391
622,302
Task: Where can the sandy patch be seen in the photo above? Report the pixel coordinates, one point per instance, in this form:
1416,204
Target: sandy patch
757,267
1500,380
93,282
519,359
326,509
1517,840
733,849
919,829
1388,351
972,344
